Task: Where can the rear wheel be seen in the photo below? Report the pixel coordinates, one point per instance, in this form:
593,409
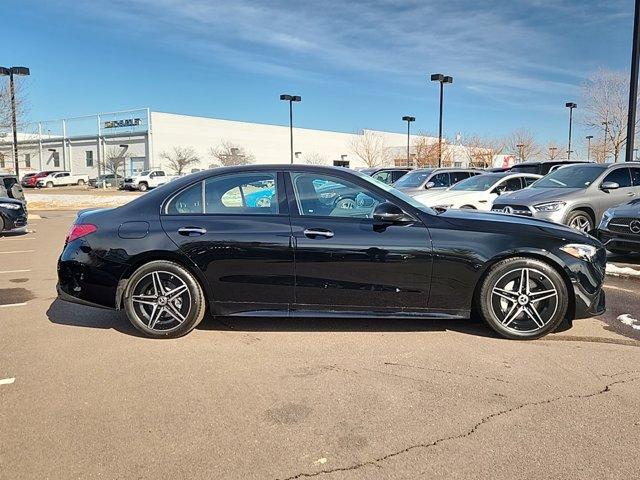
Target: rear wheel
80,182
164,300
580,221
523,298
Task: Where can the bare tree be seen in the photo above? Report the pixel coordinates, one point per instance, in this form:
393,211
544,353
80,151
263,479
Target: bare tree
314,159
426,151
114,160
371,148
523,145
555,151
5,104
481,151
605,98
228,154
180,158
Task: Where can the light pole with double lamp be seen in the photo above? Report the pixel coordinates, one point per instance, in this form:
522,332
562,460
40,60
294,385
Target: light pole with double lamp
570,106
408,119
291,99
521,151
589,137
11,72
442,79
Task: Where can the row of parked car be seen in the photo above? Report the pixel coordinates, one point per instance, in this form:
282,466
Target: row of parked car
601,199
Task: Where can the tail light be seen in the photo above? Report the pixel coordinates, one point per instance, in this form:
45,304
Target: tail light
79,230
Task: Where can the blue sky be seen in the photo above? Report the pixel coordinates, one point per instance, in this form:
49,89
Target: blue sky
356,64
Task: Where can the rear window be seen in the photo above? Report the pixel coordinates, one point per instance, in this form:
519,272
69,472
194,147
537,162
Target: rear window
526,168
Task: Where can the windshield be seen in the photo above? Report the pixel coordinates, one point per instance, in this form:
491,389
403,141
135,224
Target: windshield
479,183
413,179
403,196
573,176
145,173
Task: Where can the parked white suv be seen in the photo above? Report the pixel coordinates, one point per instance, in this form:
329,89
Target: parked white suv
57,179
146,180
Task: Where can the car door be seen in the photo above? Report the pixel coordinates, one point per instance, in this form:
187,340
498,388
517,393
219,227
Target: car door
243,248
345,260
612,198
62,178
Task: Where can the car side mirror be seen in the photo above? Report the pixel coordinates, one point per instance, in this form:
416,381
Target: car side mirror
606,186
387,212
430,185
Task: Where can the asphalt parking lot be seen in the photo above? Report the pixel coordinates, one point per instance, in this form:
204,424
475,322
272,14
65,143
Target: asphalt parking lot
82,395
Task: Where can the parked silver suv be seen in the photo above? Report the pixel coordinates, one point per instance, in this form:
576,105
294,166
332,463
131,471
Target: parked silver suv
418,181
575,195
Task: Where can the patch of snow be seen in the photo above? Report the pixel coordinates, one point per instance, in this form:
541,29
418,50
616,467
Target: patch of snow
622,271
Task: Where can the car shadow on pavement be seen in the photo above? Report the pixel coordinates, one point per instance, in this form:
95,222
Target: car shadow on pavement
14,233
65,313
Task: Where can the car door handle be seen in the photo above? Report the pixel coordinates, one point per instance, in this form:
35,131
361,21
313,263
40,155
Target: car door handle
312,233
192,231
631,194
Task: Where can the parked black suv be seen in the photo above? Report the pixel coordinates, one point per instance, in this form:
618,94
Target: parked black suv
542,168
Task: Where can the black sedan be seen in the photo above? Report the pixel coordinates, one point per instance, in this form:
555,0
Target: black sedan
619,229
13,214
195,244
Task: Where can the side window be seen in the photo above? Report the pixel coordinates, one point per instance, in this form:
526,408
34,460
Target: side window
327,196
528,180
621,176
512,184
458,176
397,174
187,202
635,176
384,176
246,193
160,173
440,180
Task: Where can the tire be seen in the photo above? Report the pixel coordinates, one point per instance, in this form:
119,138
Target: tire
580,220
1,224
509,309
49,184
80,182
143,187
150,308
468,207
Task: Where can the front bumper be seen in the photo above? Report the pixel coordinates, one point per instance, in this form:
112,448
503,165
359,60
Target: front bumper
13,219
587,280
619,241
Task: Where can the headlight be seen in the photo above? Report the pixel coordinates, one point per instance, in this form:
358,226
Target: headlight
549,206
579,250
606,216
10,206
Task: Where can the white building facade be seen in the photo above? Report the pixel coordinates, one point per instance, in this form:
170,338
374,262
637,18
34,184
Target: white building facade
140,137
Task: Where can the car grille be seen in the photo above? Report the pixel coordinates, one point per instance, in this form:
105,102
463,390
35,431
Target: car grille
624,225
513,209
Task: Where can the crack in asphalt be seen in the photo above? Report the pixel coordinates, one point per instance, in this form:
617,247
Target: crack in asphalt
376,461
469,375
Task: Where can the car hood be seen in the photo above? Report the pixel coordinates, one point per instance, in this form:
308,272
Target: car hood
631,209
11,200
501,222
411,191
531,196
439,198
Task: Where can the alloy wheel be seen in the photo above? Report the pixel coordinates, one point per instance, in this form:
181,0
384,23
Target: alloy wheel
524,300
161,300
581,223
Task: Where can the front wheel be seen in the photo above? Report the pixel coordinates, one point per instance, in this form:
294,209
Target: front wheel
143,187
49,184
580,221
164,300
523,298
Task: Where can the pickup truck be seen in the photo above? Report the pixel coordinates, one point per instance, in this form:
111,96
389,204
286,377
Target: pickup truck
57,179
146,180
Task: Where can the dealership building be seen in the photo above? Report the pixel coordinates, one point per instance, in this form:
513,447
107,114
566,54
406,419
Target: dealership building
140,137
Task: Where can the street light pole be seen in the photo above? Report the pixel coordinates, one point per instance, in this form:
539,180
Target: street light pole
521,150
291,99
11,72
408,119
442,79
589,137
633,85
552,155
570,106
604,141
